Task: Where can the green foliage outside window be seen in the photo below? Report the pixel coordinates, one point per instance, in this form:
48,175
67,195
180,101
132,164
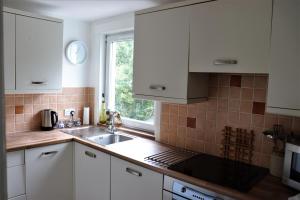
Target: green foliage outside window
124,102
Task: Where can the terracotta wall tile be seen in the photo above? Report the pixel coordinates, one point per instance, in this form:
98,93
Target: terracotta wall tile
165,108
224,80
247,81
246,106
183,110
213,92
223,92
223,105
234,105
258,108
235,93
247,94
19,109
234,100
9,100
19,101
191,122
260,95
260,81
23,110
28,99
235,80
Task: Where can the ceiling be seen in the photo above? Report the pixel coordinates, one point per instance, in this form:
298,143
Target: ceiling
85,10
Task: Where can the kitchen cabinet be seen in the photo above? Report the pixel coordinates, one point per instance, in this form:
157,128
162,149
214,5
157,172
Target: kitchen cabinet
38,54
92,174
132,182
22,197
32,52
230,36
9,30
283,89
161,63
49,172
15,174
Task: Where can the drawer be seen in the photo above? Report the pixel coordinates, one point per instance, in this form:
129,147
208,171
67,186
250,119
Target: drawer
15,181
22,197
15,158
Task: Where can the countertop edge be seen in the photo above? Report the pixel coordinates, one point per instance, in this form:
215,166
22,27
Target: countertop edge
198,182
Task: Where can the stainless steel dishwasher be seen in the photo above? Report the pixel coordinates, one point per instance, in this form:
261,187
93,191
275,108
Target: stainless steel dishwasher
178,190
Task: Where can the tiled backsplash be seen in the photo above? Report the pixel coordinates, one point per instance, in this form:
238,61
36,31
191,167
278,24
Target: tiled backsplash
234,100
23,110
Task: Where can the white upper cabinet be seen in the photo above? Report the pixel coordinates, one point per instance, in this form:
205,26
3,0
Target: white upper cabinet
38,54
92,174
161,54
158,60
230,36
9,37
284,79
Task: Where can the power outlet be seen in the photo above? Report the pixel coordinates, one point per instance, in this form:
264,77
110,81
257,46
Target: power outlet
68,111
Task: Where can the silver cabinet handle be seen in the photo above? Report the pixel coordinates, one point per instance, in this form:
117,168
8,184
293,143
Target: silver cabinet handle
90,154
157,87
39,83
48,153
133,172
225,62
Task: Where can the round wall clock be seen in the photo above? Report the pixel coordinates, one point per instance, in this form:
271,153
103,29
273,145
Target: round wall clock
76,52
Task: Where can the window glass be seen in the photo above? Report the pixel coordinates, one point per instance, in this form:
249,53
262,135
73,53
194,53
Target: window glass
120,73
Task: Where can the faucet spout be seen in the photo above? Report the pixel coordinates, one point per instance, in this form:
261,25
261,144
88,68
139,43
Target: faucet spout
111,127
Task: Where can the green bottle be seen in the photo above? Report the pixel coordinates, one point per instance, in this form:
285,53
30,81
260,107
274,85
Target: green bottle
103,116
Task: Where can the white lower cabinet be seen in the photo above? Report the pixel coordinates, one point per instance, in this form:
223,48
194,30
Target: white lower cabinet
22,197
49,172
92,174
132,182
15,175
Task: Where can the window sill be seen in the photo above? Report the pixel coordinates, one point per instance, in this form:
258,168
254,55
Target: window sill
139,133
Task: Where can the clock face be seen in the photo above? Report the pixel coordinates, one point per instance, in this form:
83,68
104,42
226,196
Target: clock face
76,52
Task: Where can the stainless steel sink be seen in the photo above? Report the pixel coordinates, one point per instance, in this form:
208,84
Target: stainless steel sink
108,139
98,135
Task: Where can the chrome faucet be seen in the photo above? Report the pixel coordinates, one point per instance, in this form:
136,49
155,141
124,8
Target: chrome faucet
111,127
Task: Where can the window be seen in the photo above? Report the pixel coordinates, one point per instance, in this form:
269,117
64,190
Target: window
136,113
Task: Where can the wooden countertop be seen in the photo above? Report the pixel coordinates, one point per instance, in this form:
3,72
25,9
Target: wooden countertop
136,150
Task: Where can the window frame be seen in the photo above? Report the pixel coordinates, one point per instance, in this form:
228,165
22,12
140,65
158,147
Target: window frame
109,84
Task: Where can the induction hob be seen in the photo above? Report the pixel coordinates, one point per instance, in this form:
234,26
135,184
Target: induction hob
228,173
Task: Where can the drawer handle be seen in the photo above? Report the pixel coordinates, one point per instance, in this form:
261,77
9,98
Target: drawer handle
39,83
157,87
49,153
225,62
90,154
133,172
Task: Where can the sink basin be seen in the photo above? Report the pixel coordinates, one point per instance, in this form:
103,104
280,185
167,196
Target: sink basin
107,139
98,135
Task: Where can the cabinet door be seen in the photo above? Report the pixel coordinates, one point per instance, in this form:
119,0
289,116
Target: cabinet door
161,54
284,79
49,172
15,181
92,174
9,37
230,36
23,197
132,182
38,54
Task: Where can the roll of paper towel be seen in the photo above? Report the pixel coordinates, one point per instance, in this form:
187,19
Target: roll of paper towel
86,116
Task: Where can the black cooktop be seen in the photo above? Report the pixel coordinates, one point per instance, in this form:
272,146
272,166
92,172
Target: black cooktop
228,173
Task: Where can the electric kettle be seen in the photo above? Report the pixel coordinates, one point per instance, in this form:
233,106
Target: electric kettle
49,119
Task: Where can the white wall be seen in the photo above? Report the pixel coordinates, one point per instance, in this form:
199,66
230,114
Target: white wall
76,75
